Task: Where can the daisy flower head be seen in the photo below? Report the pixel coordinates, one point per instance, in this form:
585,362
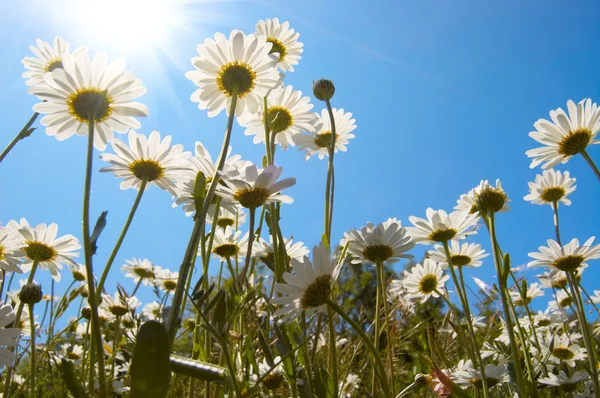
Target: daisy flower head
424,281
309,287
317,141
8,336
386,242
562,301
285,42
11,241
563,381
483,198
227,218
240,65
275,376
533,290
43,248
349,386
288,115
563,350
442,227
263,250
554,279
47,58
152,311
166,280
87,91
566,135
147,159
71,352
551,187
256,187
229,244
461,255
570,257
78,271
139,269
202,162
119,305
494,375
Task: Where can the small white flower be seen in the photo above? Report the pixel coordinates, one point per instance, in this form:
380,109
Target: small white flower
285,42
551,186
263,250
349,386
424,281
533,290
11,241
8,336
441,227
461,255
139,269
570,257
47,58
229,244
563,351
317,141
563,381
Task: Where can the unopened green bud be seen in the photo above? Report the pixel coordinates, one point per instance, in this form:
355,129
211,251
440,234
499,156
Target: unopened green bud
323,89
86,312
31,293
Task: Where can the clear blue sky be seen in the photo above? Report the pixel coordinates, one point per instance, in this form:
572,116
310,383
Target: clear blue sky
444,94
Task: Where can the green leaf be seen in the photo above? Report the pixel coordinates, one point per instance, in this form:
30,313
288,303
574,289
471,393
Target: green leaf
70,378
100,224
150,367
199,370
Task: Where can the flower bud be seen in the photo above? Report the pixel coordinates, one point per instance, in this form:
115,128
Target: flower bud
86,312
323,89
31,293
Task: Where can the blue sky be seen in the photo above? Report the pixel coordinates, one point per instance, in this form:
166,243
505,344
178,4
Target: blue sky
444,95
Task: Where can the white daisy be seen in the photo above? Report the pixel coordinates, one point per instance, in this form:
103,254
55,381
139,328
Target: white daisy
562,301
227,218
8,336
147,158
485,195
285,42
240,61
565,136
166,280
551,186
288,115
152,311
494,375
25,322
563,381
461,255
78,271
318,140
533,290
309,287
349,386
86,89
489,291
563,351
42,246
202,162
553,279
275,377
255,188
424,281
139,269
10,243
229,244
569,257
47,58
263,250
386,242
119,305
442,227
71,352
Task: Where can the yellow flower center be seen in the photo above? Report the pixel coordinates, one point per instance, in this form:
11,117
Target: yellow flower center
2,253
323,140
251,198
428,283
225,222
553,194
169,284
40,252
278,47
378,253
568,263
566,302
575,142
143,272
89,103
78,276
273,380
118,310
460,260
236,74
53,64
477,382
490,200
442,235
226,251
317,293
279,118
562,353
148,169
73,356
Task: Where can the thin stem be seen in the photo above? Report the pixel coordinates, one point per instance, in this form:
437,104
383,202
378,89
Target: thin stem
556,225
88,250
388,330
332,352
111,259
137,286
33,353
368,343
589,160
192,247
376,338
267,132
503,298
249,250
115,346
24,133
330,176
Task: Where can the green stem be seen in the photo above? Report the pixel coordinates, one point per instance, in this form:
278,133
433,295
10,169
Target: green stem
390,339
111,259
192,247
556,225
504,299
368,343
24,133
330,176
376,338
589,160
332,352
137,286
33,353
267,132
88,250
115,346
249,250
